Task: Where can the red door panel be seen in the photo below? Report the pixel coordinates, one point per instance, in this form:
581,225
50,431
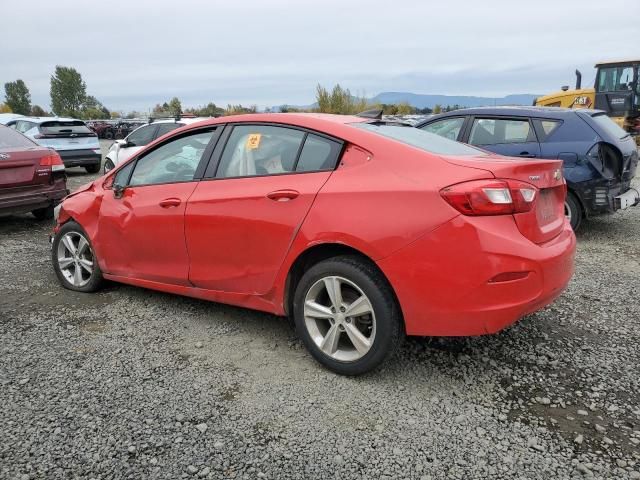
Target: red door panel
141,235
239,230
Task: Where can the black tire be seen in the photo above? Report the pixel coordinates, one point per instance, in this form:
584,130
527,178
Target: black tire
95,280
108,165
573,210
92,168
389,329
108,134
45,213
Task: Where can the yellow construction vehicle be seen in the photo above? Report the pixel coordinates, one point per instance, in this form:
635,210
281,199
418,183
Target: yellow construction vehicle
616,91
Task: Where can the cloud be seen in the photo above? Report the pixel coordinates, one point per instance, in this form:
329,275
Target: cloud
133,54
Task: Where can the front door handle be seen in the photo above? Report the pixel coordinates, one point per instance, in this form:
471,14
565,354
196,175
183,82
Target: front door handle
170,202
283,195
527,155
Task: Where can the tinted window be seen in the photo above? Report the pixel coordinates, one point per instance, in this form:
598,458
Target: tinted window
491,131
23,126
142,136
58,127
615,79
260,150
420,139
175,161
609,125
166,128
10,138
447,127
318,153
122,177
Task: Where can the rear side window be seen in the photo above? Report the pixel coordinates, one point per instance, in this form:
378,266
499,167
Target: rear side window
64,127
142,136
166,128
492,131
9,138
23,126
608,125
318,153
546,127
420,139
447,127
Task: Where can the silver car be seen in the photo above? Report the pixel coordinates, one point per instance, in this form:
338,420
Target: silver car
77,144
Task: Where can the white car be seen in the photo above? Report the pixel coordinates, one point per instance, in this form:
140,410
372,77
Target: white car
123,149
7,117
77,144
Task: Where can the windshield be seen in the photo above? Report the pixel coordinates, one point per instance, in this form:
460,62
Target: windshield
615,79
60,127
9,138
426,141
608,125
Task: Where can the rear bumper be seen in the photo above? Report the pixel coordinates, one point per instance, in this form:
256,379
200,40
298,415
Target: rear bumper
28,199
603,196
79,158
443,280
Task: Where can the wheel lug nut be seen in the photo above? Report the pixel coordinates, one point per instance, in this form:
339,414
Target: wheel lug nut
342,309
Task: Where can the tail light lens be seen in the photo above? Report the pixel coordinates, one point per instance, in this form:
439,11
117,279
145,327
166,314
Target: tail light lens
491,197
52,160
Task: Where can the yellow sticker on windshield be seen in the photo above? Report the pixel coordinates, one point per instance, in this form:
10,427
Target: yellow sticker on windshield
253,141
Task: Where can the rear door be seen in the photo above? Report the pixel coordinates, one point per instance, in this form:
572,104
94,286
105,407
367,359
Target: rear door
242,219
513,137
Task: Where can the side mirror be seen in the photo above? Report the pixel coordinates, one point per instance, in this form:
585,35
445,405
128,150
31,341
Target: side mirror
118,190
127,144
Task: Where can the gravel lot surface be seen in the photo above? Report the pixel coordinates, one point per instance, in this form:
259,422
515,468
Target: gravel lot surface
130,383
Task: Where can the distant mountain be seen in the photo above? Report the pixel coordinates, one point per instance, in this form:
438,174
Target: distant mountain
421,101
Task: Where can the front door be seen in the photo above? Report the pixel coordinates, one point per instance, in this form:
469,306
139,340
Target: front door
141,228
513,137
241,222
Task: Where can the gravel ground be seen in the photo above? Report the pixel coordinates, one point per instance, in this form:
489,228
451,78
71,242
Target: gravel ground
129,383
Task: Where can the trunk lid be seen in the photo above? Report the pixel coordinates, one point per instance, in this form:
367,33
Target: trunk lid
21,166
546,219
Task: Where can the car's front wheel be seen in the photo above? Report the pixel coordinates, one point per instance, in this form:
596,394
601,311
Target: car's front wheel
74,260
347,315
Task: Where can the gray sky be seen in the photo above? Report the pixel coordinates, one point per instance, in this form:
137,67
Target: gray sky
133,54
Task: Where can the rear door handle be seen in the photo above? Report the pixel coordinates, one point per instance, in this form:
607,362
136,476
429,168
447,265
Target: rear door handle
527,155
170,202
283,195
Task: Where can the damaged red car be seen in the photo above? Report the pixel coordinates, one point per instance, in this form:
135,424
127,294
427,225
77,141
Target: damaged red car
362,231
32,178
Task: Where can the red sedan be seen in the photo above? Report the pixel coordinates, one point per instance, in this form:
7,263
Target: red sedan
32,178
363,231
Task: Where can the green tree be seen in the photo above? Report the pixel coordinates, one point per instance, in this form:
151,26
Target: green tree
38,111
68,92
92,109
404,108
175,107
17,96
437,108
209,110
339,101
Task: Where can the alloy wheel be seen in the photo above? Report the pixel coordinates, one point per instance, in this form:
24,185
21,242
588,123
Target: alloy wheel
75,259
339,318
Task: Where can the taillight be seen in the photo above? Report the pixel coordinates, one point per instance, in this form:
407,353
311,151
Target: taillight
52,160
491,197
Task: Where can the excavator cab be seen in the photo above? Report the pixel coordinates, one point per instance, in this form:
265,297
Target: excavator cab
617,88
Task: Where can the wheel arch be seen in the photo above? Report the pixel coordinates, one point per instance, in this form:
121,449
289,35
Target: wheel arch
318,253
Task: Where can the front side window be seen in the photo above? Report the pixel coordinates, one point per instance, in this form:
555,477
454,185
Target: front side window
260,150
142,136
492,131
175,161
447,127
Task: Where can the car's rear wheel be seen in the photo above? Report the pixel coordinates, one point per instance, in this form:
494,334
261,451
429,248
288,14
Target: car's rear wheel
108,165
572,211
92,168
74,260
45,213
347,315
108,134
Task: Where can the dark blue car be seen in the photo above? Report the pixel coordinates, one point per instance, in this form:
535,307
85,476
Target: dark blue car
600,158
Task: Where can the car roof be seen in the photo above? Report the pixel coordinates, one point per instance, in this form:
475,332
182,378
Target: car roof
49,119
310,120
516,111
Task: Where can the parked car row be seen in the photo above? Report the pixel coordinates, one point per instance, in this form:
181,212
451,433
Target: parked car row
113,129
